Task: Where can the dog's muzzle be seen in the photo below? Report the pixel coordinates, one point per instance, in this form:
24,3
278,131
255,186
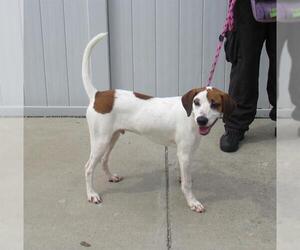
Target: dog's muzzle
204,130
202,120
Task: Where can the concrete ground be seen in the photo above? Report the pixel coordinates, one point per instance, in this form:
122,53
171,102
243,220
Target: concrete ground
147,209
11,183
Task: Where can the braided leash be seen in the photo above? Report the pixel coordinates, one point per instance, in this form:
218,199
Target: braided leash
228,26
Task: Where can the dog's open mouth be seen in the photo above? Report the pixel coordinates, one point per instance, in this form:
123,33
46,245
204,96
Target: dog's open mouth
204,130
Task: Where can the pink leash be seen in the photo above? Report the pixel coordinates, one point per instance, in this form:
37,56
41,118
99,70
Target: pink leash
228,26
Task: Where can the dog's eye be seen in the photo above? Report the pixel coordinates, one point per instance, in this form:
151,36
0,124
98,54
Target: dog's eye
196,102
214,105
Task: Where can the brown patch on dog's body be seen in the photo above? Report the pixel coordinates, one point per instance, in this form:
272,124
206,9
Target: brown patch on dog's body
142,96
104,101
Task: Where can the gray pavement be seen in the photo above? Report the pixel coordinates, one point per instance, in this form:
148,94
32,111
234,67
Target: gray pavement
11,183
237,189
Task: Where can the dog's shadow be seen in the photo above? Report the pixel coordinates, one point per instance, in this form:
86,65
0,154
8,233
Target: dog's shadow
221,187
209,187
141,183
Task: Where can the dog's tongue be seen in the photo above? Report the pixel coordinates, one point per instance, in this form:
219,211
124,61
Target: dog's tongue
204,130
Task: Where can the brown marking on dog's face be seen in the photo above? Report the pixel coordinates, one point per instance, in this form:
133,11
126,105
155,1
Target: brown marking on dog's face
142,96
187,99
214,96
221,101
104,101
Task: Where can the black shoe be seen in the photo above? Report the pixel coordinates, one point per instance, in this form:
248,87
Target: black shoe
229,142
273,114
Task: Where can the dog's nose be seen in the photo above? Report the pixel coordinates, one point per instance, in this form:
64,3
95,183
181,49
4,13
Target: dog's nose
202,120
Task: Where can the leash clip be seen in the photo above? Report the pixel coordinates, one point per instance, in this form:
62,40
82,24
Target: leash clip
221,38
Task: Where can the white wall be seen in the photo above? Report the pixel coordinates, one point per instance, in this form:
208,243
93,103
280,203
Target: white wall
159,47
56,32
11,57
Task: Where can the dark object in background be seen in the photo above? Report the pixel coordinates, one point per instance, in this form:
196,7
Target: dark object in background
264,10
271,10
85,244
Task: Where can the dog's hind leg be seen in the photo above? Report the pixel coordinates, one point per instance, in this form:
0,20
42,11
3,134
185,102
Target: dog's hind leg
98,149
111,177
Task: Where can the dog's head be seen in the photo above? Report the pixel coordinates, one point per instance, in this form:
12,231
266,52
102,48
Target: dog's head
205,105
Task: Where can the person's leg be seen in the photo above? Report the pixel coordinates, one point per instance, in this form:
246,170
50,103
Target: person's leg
244,75
294,84
271,51
282,36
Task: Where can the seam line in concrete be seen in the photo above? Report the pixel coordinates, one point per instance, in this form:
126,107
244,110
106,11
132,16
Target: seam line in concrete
168,222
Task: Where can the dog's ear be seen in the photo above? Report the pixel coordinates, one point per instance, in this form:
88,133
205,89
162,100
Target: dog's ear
228,105
187,100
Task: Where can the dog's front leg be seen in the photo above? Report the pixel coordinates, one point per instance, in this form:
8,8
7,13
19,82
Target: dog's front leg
186,181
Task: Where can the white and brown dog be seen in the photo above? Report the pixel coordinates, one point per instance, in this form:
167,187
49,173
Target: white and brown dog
178,121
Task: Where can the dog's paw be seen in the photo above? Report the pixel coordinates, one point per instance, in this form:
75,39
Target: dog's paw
94,198
197,206
115,178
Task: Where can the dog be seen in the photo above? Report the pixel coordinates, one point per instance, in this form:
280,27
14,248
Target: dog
173,121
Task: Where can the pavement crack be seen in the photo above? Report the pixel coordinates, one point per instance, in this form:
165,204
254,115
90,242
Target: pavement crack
168,222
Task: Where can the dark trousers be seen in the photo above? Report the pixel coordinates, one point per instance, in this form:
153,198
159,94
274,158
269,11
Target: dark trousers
250,38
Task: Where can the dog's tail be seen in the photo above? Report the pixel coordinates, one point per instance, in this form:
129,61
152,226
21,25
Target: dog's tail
86,76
